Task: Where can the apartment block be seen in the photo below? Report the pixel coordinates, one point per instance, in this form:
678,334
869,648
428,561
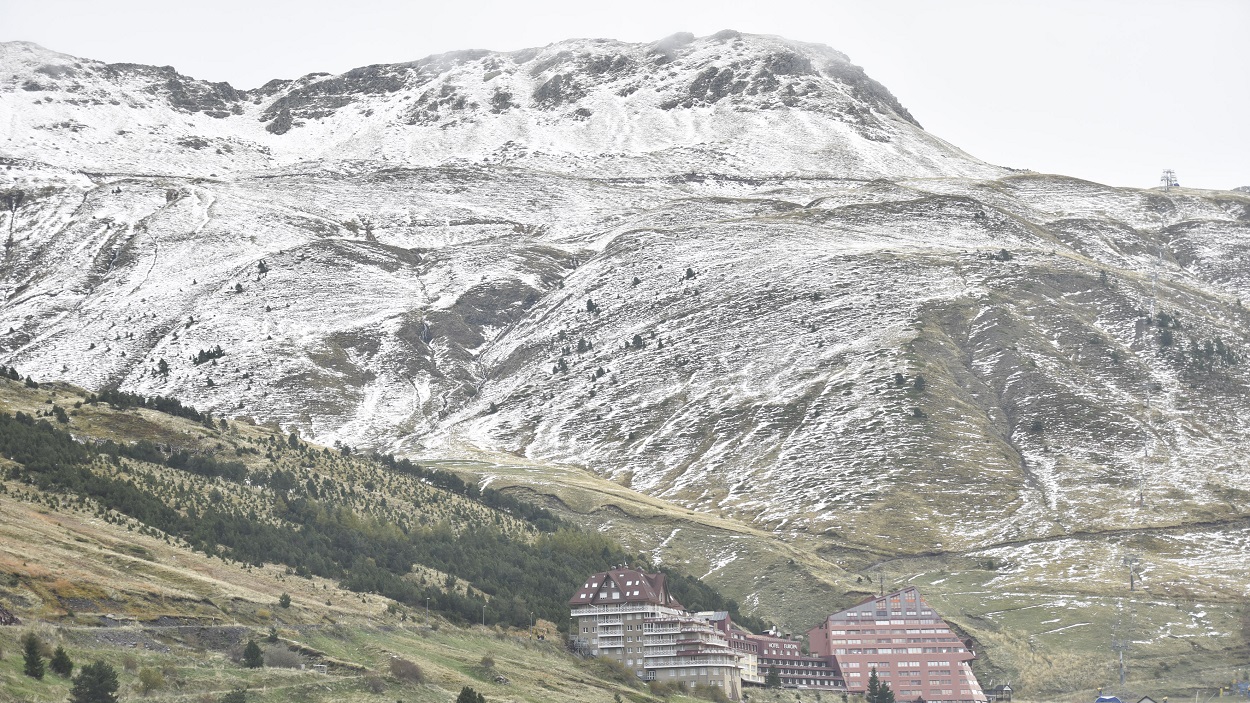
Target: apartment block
631,617
911,648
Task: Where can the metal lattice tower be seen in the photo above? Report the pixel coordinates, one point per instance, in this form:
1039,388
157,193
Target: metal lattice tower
1122,631
1168,179
1131,561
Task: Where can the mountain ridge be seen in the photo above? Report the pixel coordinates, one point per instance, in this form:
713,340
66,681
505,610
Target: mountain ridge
880,350
670,104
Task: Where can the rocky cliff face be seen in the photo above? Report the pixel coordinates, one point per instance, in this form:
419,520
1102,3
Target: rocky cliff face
730,271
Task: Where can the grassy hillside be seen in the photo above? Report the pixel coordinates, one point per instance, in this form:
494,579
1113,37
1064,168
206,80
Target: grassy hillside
1043,612
68,573
168,594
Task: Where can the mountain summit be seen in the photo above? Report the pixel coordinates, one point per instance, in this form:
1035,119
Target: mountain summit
744,103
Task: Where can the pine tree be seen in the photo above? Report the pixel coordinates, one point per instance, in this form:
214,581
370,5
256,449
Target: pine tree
61,664
468,695
34,660
95,683
252,656
874,687
773,678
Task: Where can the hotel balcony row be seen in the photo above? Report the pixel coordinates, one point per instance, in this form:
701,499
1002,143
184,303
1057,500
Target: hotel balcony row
621,608
667,663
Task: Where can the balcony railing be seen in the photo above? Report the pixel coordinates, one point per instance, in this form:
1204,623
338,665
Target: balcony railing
648,610
692,661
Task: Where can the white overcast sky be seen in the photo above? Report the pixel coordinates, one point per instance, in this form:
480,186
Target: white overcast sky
1109,90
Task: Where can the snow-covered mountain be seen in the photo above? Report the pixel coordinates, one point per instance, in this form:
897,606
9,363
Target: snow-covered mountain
734,103
731,271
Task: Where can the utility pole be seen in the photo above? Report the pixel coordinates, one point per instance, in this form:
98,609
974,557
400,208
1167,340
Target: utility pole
483,615
1120,645
1168,180
1131,561
427,613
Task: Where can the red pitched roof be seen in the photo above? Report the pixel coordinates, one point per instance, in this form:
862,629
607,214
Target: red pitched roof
624,585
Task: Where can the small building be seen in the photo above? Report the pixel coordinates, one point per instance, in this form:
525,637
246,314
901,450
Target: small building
1001,692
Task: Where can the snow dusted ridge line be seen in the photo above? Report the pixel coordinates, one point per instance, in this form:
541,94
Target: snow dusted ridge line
729,271
732,103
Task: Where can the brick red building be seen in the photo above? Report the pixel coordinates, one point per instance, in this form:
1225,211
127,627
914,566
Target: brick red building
911,648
